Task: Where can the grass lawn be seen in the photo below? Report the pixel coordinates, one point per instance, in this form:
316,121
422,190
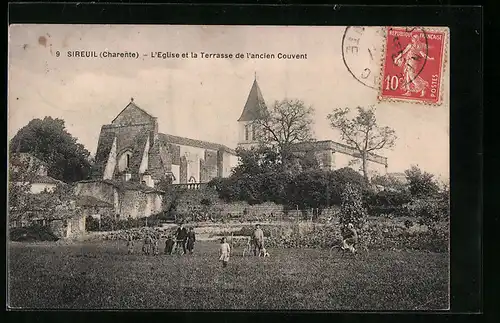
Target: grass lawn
102,275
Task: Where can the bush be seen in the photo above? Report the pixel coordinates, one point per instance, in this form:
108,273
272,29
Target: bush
32,233
377,235
111,224
352,209
427,209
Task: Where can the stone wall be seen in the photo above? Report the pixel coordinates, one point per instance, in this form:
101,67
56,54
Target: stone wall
131,204
189,200
100,190
137,204
76,227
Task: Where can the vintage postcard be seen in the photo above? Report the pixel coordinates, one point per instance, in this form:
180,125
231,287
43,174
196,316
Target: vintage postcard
228,167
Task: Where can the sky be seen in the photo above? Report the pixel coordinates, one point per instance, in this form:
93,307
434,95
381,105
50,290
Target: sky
203,98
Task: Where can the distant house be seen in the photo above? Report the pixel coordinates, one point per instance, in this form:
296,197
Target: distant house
24,167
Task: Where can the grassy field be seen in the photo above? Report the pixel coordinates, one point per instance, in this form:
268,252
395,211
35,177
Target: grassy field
102,275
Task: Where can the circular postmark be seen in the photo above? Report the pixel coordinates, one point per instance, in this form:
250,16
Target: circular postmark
362,49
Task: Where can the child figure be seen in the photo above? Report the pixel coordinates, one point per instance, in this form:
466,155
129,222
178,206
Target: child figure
225,251
191,238
130,245
146,248
169,245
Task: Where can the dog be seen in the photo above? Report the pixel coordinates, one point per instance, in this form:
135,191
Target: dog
263,253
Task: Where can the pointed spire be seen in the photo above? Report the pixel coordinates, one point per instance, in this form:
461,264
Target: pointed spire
255,76
255,103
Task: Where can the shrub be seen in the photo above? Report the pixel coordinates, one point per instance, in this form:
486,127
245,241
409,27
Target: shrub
32,233
352,209
427,209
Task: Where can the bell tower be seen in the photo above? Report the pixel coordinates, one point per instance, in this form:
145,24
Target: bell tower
252,112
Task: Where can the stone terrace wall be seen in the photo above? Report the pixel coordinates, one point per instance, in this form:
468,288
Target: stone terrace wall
191,199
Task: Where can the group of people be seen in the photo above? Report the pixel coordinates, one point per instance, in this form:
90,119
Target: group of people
256,241
184,239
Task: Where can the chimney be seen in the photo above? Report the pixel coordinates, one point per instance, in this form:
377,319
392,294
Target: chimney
127,175
147,179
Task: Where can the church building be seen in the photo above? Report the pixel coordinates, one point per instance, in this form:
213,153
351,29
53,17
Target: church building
133,157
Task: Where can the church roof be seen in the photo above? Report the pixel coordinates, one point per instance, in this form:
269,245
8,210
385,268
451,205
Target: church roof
171,139
254,105
134,106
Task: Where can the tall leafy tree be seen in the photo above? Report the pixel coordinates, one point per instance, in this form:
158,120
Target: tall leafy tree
48,140
287,122
421,184
362,132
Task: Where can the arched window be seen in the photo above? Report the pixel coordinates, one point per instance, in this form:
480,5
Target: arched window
124,160
192,180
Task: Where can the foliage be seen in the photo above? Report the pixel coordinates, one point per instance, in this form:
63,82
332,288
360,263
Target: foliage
48,140
108,223
389,182
352,209
32,233
287,122
388,201
421,184
427,209
362,132
164,184
259,177
22,173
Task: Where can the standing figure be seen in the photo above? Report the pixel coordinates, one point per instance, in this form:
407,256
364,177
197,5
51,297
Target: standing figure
169,245
146,248
411,60
156,248
130,245
181,237
191,239
258,240
224,252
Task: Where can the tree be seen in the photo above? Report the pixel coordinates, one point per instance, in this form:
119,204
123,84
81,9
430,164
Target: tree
362,133
287,122
48,140
421,184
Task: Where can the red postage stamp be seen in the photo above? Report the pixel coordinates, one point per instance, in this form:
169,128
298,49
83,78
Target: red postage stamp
413,65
